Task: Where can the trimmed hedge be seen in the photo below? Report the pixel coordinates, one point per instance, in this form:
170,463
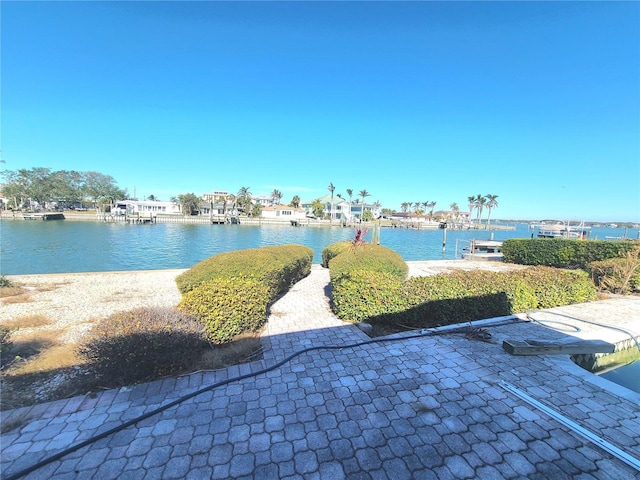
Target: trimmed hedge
334,250
379,297
563,252
279,267
371,258
228,306
365,294
230,292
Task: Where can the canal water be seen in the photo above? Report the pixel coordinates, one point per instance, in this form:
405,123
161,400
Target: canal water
30,247
627,375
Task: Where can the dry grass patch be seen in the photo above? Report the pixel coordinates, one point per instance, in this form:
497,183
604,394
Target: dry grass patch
35,367
26,346
11,291
30,321
15,295
50,357
244,349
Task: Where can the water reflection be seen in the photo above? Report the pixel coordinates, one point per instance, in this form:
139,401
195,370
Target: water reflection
67,246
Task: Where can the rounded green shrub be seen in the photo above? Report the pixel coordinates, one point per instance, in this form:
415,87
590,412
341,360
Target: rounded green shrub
278,267
137,345
334,250
364,294
228,307
372,258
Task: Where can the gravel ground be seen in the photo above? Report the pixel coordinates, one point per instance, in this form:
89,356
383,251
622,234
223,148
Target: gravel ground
74,301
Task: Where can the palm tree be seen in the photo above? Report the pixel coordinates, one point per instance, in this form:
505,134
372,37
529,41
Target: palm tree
364,194
430,206
331,188
491,203
350,193
416,207
295,201
243,198
276,196
317,208
455,209
472,204
480,203
425,205
404,207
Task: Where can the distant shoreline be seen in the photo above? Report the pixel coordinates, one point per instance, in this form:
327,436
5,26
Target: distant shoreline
308,222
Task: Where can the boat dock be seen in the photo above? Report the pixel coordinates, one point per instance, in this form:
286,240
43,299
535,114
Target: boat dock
43,216
487,250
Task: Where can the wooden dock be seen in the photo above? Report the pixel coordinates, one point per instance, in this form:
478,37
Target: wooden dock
43,216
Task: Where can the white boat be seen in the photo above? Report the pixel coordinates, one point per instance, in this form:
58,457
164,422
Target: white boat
490,250
562,230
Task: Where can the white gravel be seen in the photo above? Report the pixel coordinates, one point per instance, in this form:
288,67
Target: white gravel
433,267
75,301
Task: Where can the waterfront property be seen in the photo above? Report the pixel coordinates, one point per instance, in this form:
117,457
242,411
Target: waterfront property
144,207
283,212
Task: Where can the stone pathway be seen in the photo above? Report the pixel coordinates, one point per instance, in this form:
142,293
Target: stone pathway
405,407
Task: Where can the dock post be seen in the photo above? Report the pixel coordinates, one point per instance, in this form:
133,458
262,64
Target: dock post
443,227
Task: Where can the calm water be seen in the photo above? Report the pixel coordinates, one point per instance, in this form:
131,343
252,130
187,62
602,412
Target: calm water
28,247
627,376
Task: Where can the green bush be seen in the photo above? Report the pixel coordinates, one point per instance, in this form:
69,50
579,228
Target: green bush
562,252
372,258
554,287
455,297
141,344
334,250
230,292
363,294
228,306
278,267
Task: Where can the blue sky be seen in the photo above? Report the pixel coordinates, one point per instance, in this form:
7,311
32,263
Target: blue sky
538,103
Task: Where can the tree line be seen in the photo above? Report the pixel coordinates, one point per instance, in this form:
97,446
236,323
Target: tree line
68,187
478,202
72,188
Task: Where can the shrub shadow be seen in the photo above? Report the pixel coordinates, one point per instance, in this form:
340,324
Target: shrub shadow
436,313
